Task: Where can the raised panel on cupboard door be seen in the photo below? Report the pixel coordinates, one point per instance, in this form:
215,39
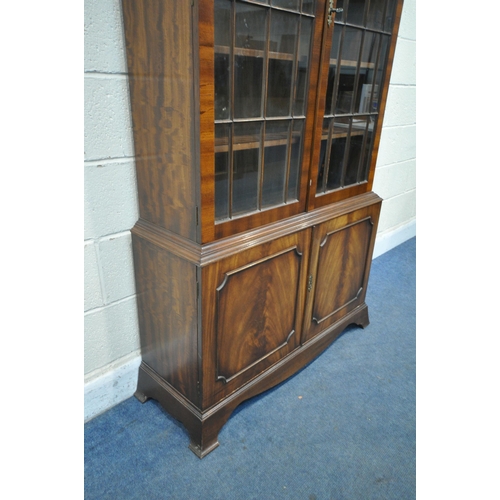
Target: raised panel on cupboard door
340,264
252,311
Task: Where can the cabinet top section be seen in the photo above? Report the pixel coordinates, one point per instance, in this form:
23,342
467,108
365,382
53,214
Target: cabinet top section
248,112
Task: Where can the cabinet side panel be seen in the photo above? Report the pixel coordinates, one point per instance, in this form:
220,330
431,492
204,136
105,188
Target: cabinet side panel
159,37
167,305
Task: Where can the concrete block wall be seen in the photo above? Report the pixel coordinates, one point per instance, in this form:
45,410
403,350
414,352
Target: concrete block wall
111,342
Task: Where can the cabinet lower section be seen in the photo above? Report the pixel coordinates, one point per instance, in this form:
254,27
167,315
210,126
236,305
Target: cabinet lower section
222,322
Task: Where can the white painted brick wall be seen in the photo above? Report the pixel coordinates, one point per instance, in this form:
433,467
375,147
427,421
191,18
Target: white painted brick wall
111,332
395,175
107,120
110,190
103,42
110,195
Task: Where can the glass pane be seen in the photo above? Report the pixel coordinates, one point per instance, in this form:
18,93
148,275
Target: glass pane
246,166
337,152
323,156
251,26
222,70
295,157
286,4
221,172
384,46
367,148
375,19
222,29
248,74
308,6
358,129
340,17
222,63
275,162
303,66
249,60
367,73
355,12
282,47
389,15
350,54
334,57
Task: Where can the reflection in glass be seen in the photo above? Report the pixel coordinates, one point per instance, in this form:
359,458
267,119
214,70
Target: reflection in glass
357,136
375,18
337,152
221,172
355,12
250,41
334,57
323,159
275,162
222,63
251,26
246,166
384,47
367,73
303,65
368,147
389,15
295,157
222,29
286,4
222,70
349,59
308,6
248,74
282,46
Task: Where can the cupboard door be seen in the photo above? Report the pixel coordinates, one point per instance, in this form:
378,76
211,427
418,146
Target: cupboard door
355,71
252,311
258,57
340,264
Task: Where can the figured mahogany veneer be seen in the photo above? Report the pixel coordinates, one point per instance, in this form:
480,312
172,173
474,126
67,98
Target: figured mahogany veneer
233,304
223,322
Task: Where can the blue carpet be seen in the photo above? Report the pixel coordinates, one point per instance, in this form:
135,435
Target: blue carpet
342,428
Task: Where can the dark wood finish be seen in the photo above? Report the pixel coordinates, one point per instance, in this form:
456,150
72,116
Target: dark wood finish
163,111
259,218
167,306
340,266
252,313
314,201
207,116
230,309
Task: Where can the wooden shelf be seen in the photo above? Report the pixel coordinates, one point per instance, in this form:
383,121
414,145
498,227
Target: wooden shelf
352,64
249,142
239,51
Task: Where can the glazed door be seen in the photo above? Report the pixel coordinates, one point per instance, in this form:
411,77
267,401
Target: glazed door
253,303
259,59
341,256
355,72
